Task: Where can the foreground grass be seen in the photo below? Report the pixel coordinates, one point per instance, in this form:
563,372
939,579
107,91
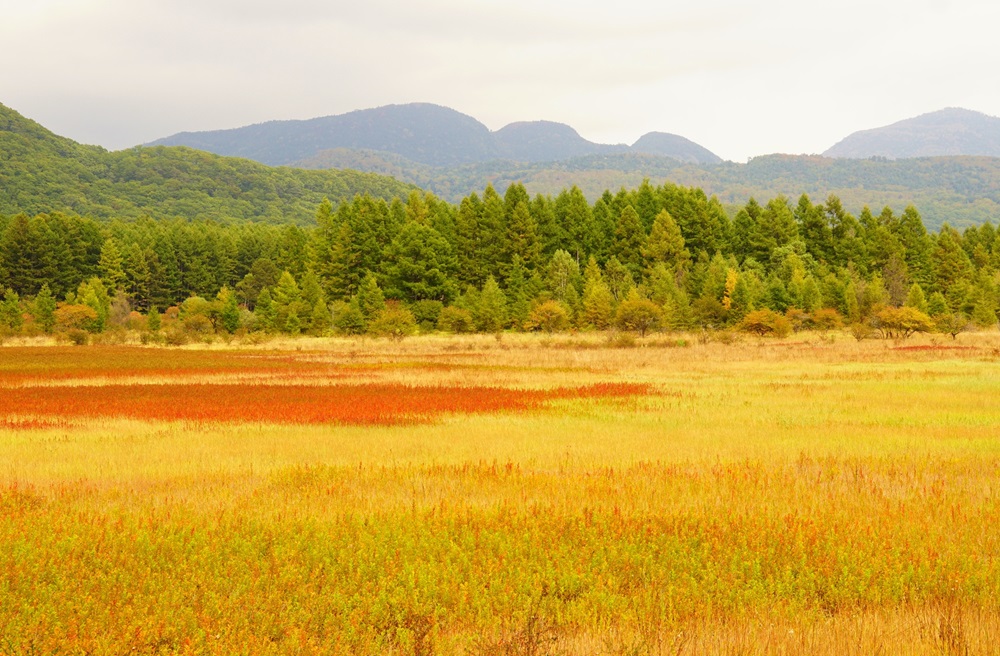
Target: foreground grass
771,498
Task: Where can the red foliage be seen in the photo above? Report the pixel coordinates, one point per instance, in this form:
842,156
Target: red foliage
358,404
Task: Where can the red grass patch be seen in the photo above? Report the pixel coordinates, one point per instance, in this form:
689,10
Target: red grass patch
364,404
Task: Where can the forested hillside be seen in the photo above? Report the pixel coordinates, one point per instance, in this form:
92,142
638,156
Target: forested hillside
42,172
655,257
960,191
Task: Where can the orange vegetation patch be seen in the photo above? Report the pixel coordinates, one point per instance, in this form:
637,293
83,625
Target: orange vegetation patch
361,404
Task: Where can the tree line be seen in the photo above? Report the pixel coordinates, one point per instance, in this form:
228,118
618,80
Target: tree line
653,257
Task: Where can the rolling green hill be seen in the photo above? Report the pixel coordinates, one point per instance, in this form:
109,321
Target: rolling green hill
43,172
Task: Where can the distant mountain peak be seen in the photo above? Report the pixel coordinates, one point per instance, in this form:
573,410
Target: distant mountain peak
665,144
425,133
946,132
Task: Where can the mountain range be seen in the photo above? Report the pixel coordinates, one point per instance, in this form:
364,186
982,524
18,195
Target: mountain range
44,172
424,134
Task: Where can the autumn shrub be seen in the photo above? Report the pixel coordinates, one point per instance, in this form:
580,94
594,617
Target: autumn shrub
766,322
827,319
901,322
951,323
394,322
175,337
638,314
77,337
426,314
455,320
75,317
799,319
549,316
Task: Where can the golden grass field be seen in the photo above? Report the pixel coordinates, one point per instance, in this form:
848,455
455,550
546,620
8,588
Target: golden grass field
811,496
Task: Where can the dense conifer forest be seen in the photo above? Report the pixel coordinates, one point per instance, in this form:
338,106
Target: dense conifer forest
651,258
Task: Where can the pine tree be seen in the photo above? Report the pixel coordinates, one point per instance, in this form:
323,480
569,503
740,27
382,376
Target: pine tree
320,319
517,294
370,298
618,278
153,319
229,311
264,310
44,309
11,318
419,265
563,273
598,304
666,245
522,239
468,242
490,313
629,241
915,298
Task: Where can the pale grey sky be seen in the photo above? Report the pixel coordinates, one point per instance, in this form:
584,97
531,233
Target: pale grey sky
740,78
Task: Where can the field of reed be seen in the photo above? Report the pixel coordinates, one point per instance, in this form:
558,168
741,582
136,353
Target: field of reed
524,495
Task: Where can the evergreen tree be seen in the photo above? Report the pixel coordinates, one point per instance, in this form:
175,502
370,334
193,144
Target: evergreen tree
264,310
618,278
575,219
419,266
666,245
629,241
110,265
44,309
490,313
320,318
344,265
229,310
951,264
562,275
522,239
371,301
814,230
915,298
517,294
493,234
598,304
153,321
11,318
916,245
468,242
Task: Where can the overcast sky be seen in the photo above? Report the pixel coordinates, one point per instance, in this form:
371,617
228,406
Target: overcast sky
740,78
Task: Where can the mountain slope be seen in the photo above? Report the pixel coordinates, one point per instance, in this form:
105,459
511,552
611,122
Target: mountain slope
546,141
42,172
663,144
422,133
946,132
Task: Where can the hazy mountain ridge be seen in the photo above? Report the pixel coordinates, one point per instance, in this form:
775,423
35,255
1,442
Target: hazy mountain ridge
947,132
421,132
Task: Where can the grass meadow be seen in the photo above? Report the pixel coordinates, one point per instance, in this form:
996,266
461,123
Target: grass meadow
524,495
